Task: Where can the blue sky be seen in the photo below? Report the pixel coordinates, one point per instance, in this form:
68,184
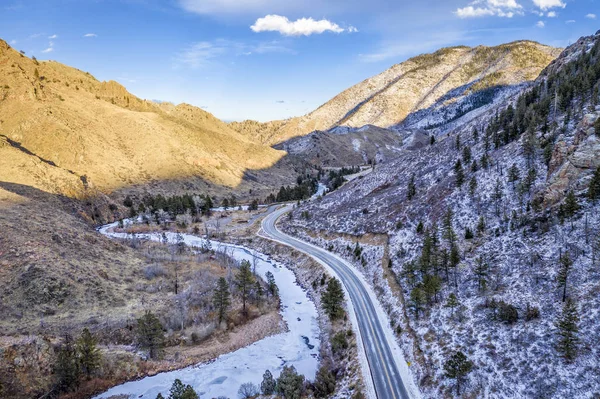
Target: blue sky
270,59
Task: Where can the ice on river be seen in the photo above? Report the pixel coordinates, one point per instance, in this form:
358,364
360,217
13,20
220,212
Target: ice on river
223,376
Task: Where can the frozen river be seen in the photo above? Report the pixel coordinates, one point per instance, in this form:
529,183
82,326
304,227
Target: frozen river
299,346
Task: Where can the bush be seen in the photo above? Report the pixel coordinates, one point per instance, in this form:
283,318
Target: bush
339,343
153,271
533,312
504,312
248,390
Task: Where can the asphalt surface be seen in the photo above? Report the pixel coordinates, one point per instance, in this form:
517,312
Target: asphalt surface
387,379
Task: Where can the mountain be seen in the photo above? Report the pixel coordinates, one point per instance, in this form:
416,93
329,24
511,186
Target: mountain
478,242
447,76
63,131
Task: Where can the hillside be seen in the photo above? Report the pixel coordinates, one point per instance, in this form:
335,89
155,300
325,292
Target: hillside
63,131
501,213
441,78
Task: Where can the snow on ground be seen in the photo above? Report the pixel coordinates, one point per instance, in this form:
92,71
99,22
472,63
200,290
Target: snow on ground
223,376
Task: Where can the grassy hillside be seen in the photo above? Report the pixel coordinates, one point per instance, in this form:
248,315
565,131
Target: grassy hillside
62,131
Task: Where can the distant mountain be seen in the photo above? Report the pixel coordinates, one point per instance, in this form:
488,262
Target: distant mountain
63,131
450,75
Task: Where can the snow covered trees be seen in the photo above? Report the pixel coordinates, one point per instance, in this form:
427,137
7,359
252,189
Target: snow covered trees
567,331
459,174
457,367
333,298
594,187
412,188
221,298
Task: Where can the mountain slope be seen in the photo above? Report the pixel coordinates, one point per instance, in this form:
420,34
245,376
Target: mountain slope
498,241
107,138
387,99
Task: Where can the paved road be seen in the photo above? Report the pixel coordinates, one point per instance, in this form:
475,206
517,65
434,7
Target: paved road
387,379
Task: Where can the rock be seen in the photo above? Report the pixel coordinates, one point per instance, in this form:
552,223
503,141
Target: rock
587,155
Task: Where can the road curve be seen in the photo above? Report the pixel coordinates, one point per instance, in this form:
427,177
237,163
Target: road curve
387,379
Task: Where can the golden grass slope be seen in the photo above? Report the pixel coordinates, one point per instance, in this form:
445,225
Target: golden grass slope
99,130
386,99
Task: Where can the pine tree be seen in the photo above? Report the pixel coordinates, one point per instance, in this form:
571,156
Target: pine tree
244,282
475,135
268,384
325,382
568,330
571,206
417,300
333,298
290,384
452,302
89,355
513,174
272,286
594,187
458,172
457,367
150,334
498,193
563,273
412,188
221,298
481,272
472,186
466,154
67,367
180,391
481,225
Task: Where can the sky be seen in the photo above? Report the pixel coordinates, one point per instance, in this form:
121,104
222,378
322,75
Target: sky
270,59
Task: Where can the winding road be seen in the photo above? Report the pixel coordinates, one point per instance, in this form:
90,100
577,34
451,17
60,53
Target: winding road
385,372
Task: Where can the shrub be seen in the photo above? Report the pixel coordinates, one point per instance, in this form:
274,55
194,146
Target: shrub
533,312
153,271
339,343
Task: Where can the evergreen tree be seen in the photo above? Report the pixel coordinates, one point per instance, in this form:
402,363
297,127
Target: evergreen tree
412,188
290,384
417,300
594,187
568,331
333,298
513,174
498,193
457,367
272,286
67,366
452,302
324,382
159,396
89,355
150,334
563,273
221,298
268,384
180,391
432,140
458,172
481,225
472,186
571,206
466,154
244,282
475,135
481,272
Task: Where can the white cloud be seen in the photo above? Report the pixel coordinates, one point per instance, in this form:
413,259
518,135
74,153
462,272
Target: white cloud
302,26
48,50
13,42
540,24
552,14
90,35
352,29
225,6
53,36
548,4
571,21
486,8
591,16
